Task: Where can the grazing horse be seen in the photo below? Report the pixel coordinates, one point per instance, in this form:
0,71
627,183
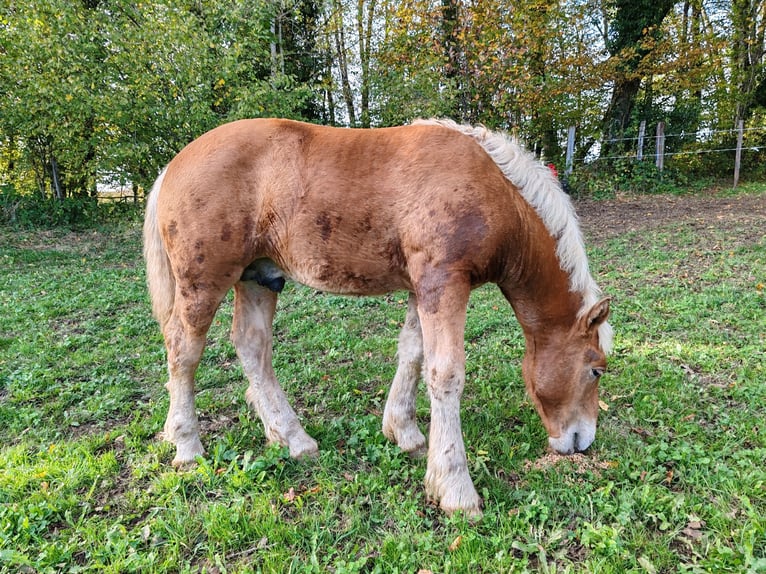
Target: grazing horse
435,209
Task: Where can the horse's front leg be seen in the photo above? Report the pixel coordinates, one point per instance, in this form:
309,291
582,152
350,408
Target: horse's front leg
442,315
399,422
251,332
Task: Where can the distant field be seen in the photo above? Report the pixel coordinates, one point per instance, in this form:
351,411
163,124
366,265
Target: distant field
675,482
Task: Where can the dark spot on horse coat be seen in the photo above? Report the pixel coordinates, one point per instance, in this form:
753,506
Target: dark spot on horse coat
472,227
226,232
326,271
325,225
431,288
248,225
172,232
393,252
366,224
355,281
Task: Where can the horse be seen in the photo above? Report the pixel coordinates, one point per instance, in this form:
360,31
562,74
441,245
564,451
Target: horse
433,208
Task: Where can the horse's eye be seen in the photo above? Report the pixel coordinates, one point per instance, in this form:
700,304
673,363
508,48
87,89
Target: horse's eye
597,372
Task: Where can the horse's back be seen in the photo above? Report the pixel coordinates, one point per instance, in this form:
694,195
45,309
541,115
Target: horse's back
339,209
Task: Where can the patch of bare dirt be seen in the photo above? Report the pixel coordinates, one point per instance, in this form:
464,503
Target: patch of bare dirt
604,219
579,462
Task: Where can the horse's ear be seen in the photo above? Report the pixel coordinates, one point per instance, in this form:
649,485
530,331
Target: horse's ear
595,316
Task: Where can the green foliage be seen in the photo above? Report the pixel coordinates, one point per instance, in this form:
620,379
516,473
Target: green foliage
113,89
29,211
674,482
606,178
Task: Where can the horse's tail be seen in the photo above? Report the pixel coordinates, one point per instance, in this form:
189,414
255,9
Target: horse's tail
159,276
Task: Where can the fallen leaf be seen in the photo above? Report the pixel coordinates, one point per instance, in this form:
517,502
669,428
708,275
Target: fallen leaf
692,533
647,565
603,406
289,496
668,477
456,543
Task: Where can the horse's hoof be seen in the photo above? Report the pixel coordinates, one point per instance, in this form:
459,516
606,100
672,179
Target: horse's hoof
455,493
410,440
306,449
469,506
186,455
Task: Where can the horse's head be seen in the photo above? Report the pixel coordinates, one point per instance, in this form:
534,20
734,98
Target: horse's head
561,373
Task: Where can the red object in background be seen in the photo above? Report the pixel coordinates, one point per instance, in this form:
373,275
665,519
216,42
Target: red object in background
553,169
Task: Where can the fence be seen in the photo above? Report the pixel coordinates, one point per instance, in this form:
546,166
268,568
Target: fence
659,148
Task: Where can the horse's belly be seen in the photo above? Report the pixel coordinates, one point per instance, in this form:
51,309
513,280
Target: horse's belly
360,279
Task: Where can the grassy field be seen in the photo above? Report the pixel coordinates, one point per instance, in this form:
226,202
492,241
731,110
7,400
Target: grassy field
675,482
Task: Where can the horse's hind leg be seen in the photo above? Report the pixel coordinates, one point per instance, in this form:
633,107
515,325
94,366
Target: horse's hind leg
251,332
184,335
399,422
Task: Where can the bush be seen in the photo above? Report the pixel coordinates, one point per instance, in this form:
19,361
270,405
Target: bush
603,179
32,211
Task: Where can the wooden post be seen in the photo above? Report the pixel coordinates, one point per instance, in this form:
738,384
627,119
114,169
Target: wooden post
570,149
738,155
641,133
660,146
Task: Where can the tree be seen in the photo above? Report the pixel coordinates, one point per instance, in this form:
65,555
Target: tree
634,30
50,54
100,89
408,71
748,19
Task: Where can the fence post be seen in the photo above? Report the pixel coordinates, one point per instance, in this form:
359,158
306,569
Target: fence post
570,149
660,146
738,155
641,133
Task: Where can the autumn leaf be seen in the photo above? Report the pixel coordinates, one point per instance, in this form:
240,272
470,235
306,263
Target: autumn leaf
693,530
456,543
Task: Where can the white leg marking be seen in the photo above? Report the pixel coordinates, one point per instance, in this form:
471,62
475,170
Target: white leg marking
399,422
252,337
181,426
447,479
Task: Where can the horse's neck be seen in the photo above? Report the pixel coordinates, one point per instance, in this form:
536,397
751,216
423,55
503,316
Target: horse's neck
540,292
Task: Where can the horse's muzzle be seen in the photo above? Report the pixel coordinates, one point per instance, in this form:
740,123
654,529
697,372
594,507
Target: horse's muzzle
576,438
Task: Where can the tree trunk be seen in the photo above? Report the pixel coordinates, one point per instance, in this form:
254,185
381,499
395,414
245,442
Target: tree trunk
749,24
340,45
58,190
635,22
618,114
453,55
364,29
547,143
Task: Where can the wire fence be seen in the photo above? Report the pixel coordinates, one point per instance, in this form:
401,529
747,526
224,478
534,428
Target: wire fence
653,146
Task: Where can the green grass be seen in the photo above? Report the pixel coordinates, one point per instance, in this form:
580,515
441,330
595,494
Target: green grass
676,481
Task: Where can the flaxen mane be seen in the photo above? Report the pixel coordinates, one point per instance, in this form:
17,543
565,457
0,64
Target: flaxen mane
542,191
